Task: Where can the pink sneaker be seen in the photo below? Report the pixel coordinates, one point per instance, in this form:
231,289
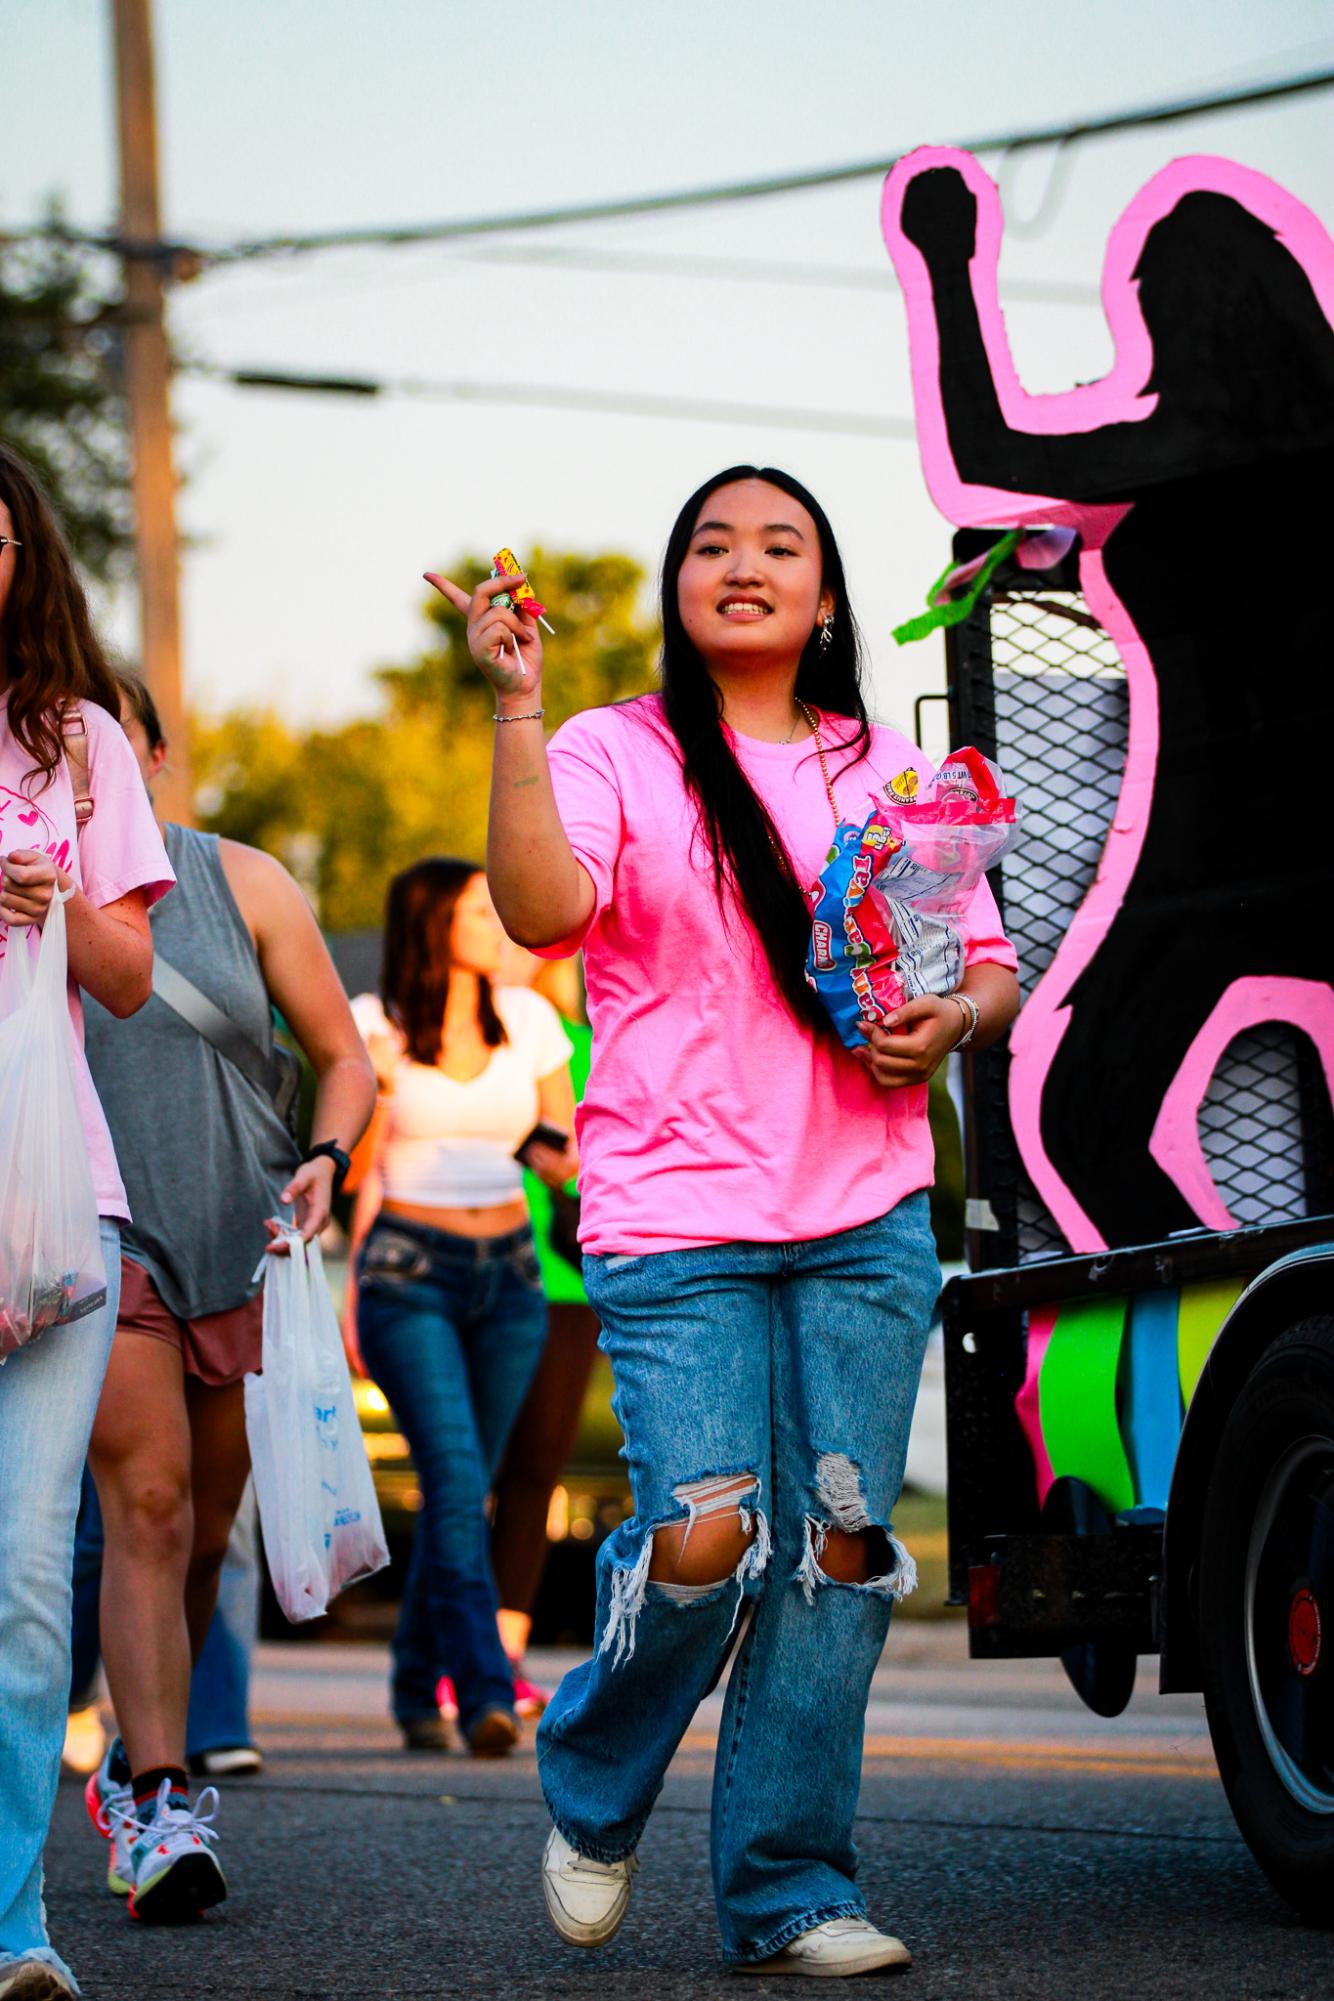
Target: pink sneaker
529,1699
445,1696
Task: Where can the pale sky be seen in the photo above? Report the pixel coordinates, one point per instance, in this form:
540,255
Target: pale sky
313,517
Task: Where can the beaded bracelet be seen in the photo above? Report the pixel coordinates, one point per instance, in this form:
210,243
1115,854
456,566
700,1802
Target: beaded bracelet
529,716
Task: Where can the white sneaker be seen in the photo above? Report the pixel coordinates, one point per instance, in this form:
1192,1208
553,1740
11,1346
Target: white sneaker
110,1805
123,1832
834,1951
32,1980
175,1873
231,1761
586,1899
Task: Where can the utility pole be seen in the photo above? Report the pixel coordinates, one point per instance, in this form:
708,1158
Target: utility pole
147,381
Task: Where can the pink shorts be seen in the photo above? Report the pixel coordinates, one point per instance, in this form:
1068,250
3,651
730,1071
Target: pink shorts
218,1348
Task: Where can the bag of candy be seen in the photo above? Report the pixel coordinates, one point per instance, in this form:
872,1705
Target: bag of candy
887,911
50,1258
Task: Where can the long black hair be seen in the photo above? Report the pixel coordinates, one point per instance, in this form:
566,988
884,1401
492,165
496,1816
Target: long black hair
747,853
414,972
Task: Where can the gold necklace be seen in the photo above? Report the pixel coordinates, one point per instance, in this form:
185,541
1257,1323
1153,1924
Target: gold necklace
813,725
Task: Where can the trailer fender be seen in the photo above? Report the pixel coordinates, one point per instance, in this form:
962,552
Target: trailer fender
1284,1292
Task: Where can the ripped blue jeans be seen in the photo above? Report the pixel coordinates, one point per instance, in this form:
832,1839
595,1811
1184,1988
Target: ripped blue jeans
776,1380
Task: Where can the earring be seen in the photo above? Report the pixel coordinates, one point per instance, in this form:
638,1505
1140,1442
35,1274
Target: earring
826,638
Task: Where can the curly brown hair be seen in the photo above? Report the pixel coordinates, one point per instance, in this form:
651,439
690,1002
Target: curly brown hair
51,653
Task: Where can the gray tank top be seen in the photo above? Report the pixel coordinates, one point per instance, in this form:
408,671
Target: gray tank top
201,1150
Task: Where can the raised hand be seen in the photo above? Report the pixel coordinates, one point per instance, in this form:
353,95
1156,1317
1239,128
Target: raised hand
506,645
939,215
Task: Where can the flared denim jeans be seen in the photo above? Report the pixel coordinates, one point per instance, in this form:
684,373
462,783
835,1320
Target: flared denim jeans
451,1329
48,1398
786,1373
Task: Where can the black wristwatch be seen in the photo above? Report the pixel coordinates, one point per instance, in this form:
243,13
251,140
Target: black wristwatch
329,1149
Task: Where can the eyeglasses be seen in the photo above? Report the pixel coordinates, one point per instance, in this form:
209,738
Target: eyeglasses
8,542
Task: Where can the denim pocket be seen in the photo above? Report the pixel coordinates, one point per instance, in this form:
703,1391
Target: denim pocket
525,1266
392,1258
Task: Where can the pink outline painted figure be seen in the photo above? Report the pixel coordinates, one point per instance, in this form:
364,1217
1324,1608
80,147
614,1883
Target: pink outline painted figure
1198,473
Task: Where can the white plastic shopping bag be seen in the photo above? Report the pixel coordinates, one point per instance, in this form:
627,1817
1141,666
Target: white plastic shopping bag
51,1266
317,1504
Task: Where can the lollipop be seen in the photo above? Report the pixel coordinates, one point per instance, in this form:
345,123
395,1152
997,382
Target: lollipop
506,564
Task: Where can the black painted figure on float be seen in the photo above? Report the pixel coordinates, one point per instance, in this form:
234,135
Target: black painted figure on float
1213,515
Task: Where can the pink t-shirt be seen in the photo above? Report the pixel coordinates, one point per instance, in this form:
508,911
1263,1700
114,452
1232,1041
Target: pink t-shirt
711,1115
120,849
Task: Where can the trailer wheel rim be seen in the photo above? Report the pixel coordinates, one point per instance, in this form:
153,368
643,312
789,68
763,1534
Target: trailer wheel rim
1305,1633
1289,1591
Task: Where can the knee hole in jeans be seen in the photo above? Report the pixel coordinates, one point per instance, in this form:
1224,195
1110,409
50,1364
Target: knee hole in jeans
713,1539
844,1544
724,1537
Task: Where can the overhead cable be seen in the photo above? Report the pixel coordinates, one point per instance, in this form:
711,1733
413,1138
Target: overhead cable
635,263
686,198
557,396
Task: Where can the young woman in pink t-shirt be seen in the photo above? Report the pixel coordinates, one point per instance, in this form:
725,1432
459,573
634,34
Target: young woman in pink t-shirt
56,688
755,1223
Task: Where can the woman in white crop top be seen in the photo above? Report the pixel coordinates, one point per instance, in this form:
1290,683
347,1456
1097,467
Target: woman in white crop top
448,1314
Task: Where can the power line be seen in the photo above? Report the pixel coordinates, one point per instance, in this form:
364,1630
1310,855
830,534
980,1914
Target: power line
556,396
633,263
751,270
688,198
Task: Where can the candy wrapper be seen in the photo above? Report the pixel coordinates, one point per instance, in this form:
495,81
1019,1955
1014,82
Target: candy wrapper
887,913
506,564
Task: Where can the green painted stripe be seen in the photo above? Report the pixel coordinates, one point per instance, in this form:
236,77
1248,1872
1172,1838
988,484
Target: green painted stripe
1077,1399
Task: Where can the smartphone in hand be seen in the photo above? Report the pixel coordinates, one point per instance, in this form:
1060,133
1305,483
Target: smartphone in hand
542,1135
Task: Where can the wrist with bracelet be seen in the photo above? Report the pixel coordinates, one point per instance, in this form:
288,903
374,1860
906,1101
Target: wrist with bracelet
512,707
972,1015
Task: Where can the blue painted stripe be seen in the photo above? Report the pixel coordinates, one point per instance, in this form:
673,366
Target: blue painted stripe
1151,1395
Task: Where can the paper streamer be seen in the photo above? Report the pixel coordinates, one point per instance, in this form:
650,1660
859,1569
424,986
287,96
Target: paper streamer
1204,1308
953,611
1077,1400
1041,1322
1151,1423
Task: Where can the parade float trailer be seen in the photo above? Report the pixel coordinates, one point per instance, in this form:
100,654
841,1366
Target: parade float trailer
1140,1361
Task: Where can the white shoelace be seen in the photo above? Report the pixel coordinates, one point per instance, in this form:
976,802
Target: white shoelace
190,1820
117,1804
586,1865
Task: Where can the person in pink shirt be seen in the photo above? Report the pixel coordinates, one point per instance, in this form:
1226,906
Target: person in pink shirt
756,1235
59,713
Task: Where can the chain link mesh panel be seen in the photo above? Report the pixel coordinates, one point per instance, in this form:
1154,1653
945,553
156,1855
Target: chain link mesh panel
1055,710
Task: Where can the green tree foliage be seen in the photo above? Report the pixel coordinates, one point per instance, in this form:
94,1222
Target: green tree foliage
379,793
61,400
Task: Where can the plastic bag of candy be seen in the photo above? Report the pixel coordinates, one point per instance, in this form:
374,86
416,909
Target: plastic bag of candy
887,912
51,1265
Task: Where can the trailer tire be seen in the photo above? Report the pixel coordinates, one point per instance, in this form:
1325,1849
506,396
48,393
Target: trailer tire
1266,1613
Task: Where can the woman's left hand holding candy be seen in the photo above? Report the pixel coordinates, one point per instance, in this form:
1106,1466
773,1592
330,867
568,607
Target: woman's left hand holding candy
914,1042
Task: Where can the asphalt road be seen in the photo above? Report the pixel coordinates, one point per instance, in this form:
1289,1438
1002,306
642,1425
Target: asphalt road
1020,1846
